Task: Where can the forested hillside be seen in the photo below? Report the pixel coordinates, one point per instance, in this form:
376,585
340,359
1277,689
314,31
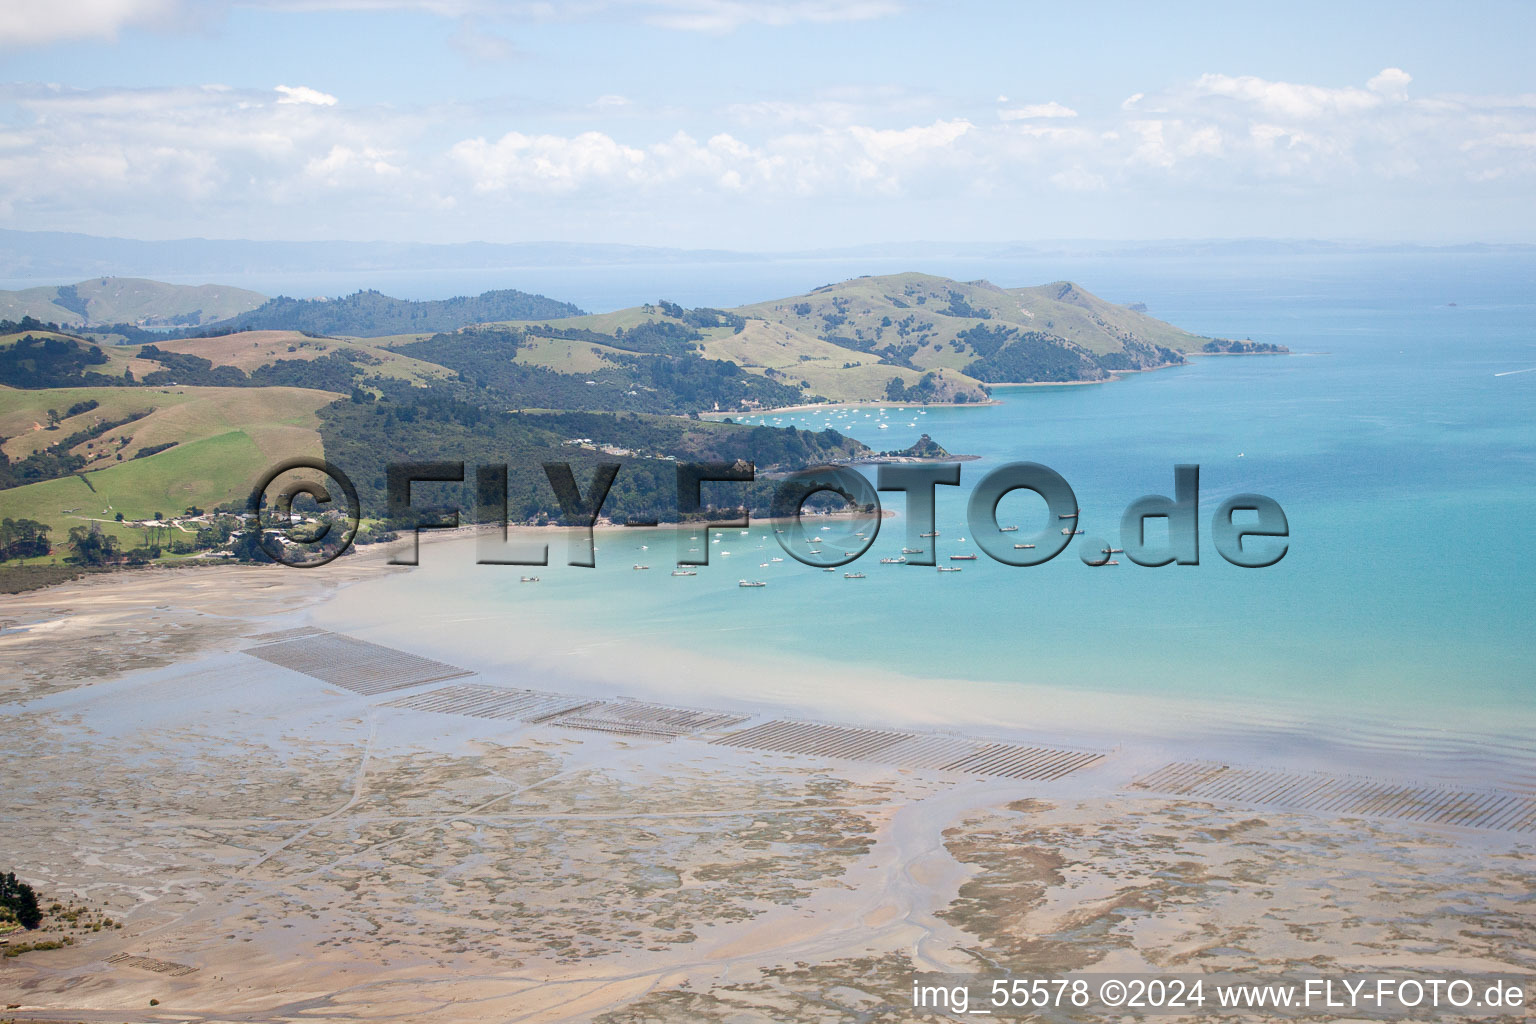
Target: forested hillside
372,314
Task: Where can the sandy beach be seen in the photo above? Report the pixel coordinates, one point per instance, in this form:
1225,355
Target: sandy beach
281,848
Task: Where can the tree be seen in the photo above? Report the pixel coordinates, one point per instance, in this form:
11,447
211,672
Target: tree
91,546
20,900
23,538
53,419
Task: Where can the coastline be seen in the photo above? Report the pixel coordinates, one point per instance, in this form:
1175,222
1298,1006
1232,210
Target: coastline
883,404
278,848
79,632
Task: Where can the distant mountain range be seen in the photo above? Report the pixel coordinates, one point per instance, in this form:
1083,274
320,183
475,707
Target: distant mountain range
128,307
68,256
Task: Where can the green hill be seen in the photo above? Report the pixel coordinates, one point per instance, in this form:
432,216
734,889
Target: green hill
130,300
903,337
372,314
1050,333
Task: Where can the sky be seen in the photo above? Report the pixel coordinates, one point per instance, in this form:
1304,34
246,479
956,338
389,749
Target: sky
750,125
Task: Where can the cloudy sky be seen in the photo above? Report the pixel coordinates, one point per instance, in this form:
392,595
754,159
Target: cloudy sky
766,125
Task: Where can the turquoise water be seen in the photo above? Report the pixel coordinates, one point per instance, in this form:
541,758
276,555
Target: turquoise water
1405,464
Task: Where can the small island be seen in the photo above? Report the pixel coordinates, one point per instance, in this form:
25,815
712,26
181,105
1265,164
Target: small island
1230,347
924,449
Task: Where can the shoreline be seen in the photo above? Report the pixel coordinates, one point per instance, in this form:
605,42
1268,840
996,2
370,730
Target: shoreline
360,595
277,846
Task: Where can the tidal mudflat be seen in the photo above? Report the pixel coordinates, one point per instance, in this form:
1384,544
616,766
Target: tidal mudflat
279,848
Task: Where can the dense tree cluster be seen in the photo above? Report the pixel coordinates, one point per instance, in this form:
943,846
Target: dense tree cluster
33,362
18,901
435,425
958,306
1245,348
23,538
640,382
1033,356
372,314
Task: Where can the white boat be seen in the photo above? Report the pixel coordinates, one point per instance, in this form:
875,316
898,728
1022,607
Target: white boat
1022,547
1110,562
642,567
830,568
1067,531
530,579
1069,515
911,551
684,572
892,561
750,583
853,575
931,533
949,568
814,551
962,558
764,565
1007,529
815,540
775,559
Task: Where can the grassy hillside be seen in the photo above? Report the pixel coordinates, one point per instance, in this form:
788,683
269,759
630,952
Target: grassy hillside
780,353
224,438
111,300
250,350
906,337
1055,332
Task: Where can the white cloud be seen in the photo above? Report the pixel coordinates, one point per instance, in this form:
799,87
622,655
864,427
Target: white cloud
548,163
304,94
295,155
39,22
1391,82
1034,110
1290,99
344,165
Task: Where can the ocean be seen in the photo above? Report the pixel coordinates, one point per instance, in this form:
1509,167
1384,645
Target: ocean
1399,437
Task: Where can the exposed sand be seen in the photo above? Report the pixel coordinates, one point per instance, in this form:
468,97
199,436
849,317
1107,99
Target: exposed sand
319,857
